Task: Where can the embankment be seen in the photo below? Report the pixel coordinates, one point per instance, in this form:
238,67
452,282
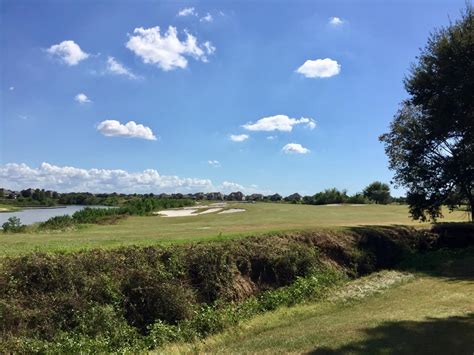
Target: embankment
136,298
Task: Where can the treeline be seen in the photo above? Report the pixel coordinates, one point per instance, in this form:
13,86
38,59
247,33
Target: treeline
376,192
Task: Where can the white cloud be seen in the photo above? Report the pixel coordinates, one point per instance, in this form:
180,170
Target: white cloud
228,186
113,128
238,137
214,163
11,88
82,98
69,52
295,148
319,68
118,68
270,138
66,178
167,51
187,11
207,18
335,21
279,123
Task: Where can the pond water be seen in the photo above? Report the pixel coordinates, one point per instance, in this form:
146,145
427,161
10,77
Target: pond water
33,215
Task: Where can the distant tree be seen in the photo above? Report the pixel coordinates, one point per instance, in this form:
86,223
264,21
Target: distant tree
378,192
430,144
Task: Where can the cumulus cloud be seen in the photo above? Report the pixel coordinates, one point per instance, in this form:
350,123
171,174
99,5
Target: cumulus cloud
117,68
82,98
214,163
238,137
319,68
166,50
279,123
295,148
187,11
207,18
66,178
69,52
335,21
113,128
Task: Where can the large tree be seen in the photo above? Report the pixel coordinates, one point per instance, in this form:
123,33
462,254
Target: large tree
378,192
430,144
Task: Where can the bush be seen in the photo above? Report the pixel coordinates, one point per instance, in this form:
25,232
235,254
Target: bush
148,298
57,222
13,225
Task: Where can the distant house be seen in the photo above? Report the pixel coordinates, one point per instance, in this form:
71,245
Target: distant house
274,198
214,196
163,196
199,196
235,196
254,197
296,197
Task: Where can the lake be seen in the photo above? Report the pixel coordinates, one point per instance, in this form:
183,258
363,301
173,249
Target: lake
33,215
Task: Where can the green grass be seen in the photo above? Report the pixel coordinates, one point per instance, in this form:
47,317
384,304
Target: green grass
8,208
429,314
258,218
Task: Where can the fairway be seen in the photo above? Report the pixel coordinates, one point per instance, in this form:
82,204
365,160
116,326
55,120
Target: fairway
428,314
258,218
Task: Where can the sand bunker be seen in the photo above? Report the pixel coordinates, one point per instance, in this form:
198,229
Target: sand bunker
232,210
186,212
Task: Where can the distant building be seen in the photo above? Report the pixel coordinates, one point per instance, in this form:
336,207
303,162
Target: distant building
296,197
254,197
235,196
274,198
214,196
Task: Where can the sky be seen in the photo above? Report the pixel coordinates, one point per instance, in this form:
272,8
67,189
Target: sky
186,96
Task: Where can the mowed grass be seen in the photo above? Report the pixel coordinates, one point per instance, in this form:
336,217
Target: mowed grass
427,315
258,218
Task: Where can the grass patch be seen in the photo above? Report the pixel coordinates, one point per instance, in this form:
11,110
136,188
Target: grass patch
259,218
424,314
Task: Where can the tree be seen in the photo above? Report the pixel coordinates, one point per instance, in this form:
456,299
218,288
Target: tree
378,192
430,144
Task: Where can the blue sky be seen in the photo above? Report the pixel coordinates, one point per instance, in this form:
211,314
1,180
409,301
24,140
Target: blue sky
229,65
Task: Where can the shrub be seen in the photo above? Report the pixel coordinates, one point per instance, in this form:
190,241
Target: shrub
57,222
148,298
13,225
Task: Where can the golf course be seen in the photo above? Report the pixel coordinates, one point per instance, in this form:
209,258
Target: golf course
258,218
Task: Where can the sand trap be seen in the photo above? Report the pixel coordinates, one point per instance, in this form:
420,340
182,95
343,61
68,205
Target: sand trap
186,212
232,210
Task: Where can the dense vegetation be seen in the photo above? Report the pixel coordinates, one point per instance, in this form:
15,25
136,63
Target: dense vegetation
137,298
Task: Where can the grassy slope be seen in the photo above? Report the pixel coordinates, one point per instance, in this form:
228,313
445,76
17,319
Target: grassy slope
259,218
429,315
8,208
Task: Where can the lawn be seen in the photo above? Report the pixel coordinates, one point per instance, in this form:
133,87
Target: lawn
258,218
430,314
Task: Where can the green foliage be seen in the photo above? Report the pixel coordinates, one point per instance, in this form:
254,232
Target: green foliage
13,225
58,222
378,192
430,144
